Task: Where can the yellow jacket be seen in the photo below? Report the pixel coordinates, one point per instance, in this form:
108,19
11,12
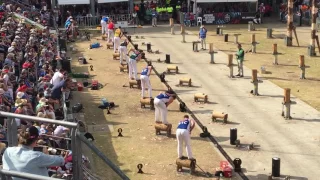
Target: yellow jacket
117,33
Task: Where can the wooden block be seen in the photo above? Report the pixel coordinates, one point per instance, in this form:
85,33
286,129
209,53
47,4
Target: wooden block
133,83
230,60
147,101
185,80
104,37
172,68
287,95
109,45
123,68
254,75
115,55
219,115
301,61
201,96
163,127
186,163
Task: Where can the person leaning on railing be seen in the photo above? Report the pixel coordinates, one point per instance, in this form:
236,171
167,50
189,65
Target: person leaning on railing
23,158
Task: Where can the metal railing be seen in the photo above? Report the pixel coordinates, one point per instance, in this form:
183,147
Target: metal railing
76,140
85,21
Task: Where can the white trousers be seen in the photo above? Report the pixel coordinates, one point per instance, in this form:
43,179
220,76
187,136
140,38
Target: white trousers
132,69
183,135
110,35
203,43
154,21
116,44
145,83
160,110
123,54
103,28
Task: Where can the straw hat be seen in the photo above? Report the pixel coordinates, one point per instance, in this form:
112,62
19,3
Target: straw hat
1,91
41,114
2,146
20,102
43,101
13,44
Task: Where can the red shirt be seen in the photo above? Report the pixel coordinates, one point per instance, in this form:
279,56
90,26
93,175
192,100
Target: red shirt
111,25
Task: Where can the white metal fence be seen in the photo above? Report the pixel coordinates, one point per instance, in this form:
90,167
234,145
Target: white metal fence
85,21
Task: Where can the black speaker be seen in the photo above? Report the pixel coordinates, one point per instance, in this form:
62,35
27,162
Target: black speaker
66,65
275,167
63,44
226,37
167,58
148,47
218,31
233,136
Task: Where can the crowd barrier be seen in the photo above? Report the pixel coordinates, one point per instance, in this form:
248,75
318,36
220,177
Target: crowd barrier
85,21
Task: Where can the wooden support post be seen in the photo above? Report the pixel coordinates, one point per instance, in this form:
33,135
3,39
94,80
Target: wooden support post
312,46
253,38
211,52
230,65
183,33
255,82
275,54
287,103
302,67
288,39
172,25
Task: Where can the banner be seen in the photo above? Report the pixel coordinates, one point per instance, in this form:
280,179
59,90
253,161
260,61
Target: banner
227,18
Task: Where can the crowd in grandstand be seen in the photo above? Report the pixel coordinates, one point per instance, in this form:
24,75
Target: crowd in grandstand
31,83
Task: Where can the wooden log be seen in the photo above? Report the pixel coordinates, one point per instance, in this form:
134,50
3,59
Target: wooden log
133,83
123,68
171,21
301,61
210,47
254,75
219,115
104,37
230,60
201,96
253,38
287,95
115,55
185,80
109,45
163,127
147,101
275,48
186,163
172,68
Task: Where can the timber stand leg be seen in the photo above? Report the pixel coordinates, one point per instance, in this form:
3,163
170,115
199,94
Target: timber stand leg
212,58
231,72
255,88
183,37
275,59
236,39
287,106
172,29
303,72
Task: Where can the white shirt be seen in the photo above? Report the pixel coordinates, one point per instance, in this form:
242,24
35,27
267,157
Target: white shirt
57,77
59,130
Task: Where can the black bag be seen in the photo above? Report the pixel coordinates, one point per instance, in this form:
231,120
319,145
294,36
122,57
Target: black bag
77,108
183,107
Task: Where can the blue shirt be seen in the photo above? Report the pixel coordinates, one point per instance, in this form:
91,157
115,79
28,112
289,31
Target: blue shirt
24,159
163,96
203,33
184,124
105,19
145,71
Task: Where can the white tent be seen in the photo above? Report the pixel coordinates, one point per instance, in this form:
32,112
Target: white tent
73,2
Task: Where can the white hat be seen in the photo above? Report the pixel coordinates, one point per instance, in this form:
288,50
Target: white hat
2,91
20,95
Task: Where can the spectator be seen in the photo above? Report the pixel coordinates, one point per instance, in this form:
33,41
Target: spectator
24,159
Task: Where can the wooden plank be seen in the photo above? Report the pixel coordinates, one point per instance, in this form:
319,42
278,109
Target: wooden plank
295,35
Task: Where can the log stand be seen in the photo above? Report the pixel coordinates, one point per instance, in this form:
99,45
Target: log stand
188,163
163,127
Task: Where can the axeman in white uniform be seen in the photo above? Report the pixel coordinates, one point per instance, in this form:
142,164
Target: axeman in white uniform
123,51
161,102
145,81
133,63
183,135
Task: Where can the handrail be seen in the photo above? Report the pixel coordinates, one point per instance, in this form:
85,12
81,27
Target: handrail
114,167
23,175
38,119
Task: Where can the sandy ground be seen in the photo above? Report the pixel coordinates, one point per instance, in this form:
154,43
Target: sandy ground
139,144
287,73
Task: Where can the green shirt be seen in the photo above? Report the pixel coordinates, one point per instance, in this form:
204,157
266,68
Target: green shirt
240,55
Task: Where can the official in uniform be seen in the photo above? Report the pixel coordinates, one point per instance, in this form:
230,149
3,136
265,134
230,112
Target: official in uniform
161,102
133,58
123,51
145,81
183,135
116,39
